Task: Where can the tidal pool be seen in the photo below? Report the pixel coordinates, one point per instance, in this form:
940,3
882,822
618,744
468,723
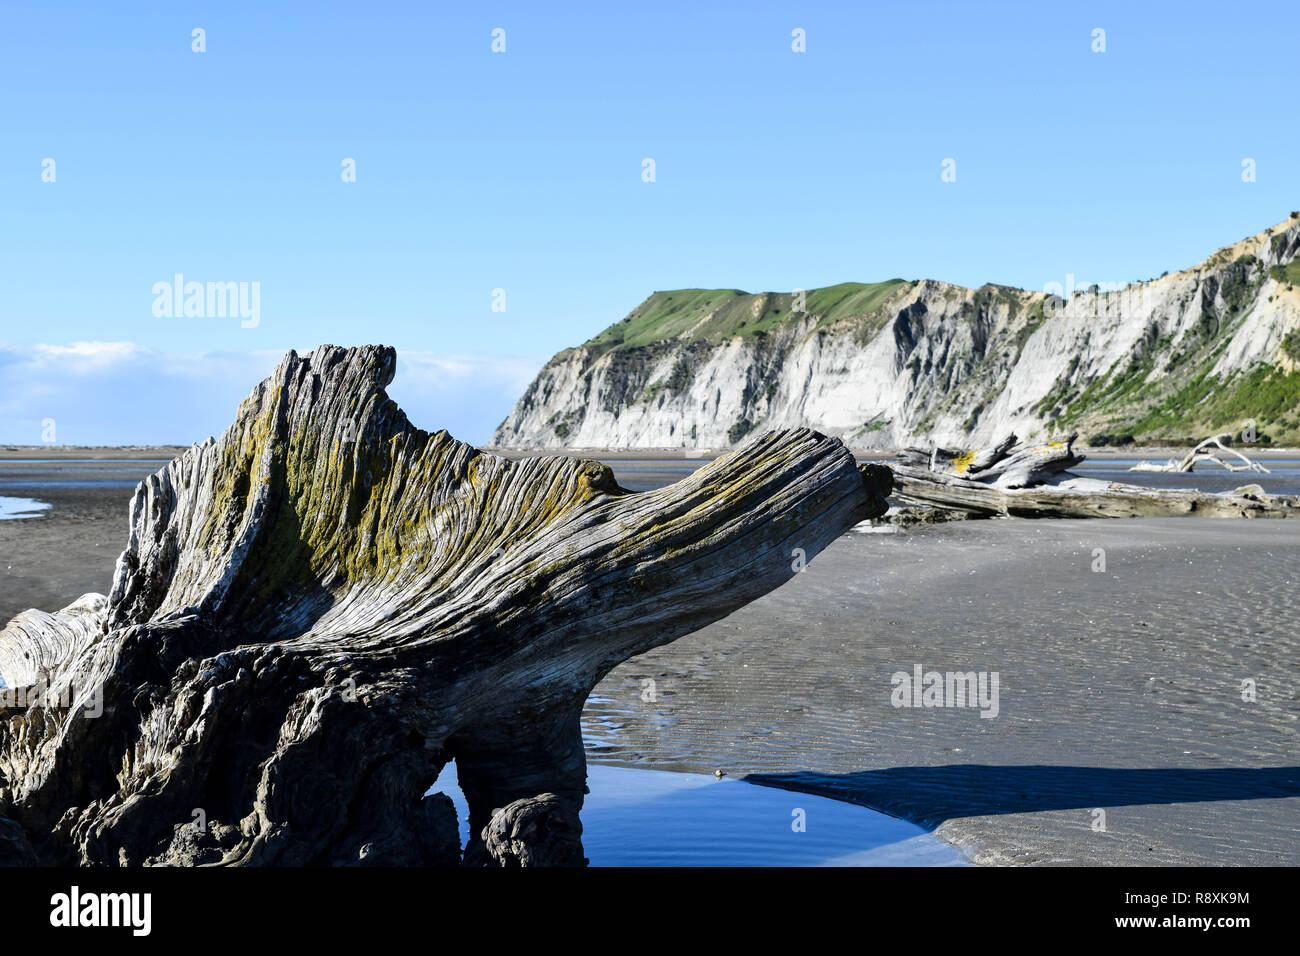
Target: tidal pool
21,508
635,817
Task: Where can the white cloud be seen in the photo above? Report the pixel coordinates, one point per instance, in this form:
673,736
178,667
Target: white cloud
110,393
95,351
433,370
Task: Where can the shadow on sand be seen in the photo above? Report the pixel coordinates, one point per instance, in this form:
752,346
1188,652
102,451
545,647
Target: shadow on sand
930,795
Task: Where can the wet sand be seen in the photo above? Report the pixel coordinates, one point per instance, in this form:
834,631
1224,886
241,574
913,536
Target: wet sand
1119,690
50,561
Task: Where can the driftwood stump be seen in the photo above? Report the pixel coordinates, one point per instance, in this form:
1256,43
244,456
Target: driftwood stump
317,611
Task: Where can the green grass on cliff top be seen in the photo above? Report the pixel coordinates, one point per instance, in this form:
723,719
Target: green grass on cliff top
717,314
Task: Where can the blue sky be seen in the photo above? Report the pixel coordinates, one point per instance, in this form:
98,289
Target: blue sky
522,171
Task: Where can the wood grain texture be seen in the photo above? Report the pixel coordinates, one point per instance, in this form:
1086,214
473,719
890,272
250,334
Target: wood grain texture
1002,465
318,610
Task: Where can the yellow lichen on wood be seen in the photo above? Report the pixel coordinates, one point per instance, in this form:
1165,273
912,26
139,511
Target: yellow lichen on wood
962,462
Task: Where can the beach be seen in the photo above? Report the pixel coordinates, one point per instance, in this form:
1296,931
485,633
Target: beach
1120,648
50,561
1119,690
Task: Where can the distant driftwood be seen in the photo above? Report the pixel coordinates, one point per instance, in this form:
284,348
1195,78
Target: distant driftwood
321,608
1001,466
1035,482
1204,452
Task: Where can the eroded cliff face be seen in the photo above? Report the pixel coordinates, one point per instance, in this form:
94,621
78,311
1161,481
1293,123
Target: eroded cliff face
1209,348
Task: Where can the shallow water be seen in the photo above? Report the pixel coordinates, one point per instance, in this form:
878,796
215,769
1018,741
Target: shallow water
11,508
635,817
1283,477
36,474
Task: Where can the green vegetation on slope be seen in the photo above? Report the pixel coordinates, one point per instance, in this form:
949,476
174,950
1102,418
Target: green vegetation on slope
1266,395
664,315
1289,273
1166,391
1182,406
850,300
1291,345
718,314
1186,399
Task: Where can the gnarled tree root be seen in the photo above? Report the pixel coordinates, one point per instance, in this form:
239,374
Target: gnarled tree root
318,610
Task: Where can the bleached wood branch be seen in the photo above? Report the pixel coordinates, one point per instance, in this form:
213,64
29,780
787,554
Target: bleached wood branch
1202,452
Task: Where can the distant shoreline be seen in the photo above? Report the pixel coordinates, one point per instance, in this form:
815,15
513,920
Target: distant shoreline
93,452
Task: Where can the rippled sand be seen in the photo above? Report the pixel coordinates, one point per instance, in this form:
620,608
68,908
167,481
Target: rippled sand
1119,690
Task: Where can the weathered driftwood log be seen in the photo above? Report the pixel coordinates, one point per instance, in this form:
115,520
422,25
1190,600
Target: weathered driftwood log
955,462
1086,498
1203,452
317,611
1002,465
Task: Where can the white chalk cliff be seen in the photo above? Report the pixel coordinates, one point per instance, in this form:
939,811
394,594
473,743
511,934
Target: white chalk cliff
1214,347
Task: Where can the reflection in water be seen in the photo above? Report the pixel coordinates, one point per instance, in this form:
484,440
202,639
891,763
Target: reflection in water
636,817
21,508
1283,477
